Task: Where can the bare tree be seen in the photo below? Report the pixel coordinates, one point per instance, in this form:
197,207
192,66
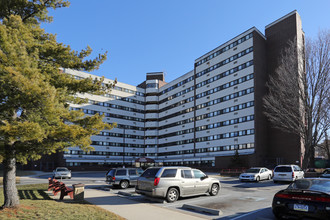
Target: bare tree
323,149
298,98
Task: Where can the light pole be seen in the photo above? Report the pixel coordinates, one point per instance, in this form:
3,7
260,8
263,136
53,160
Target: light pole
124,147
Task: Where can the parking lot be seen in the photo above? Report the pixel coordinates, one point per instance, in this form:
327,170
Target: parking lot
236,200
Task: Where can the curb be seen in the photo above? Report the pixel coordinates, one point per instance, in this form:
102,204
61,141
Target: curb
202,209
125,193
133,194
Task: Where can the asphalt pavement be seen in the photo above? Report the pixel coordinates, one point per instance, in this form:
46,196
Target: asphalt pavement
137,207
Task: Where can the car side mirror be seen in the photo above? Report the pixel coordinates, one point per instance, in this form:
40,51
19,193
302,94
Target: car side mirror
204,177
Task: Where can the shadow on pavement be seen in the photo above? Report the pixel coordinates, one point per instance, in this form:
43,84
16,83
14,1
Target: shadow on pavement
266,183
260,214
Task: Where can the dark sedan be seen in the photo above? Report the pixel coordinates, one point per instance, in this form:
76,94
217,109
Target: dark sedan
304,198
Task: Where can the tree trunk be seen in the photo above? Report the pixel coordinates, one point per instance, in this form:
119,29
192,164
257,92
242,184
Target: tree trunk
9,179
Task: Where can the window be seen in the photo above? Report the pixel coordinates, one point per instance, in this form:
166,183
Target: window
198,174
152,85
121,173
186,174
169,173
132,172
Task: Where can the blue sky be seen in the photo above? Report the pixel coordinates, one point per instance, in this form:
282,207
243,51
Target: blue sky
168,35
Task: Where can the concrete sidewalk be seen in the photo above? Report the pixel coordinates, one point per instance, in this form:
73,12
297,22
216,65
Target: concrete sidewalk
128,208
131,209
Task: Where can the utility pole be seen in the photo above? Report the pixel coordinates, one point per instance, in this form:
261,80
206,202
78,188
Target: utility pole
124,147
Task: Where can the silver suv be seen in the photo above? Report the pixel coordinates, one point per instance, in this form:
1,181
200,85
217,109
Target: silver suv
122,177
174,182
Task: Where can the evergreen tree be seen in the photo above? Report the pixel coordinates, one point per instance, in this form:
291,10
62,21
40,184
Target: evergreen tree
35,94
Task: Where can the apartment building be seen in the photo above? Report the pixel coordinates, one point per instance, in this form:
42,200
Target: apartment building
211,116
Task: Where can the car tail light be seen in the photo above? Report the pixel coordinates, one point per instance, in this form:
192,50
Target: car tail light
284,196
156,181
292,174
113,178
303,197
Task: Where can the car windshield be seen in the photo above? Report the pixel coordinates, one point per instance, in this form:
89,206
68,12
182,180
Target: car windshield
283,169
151,172
252,171
311,184
61,169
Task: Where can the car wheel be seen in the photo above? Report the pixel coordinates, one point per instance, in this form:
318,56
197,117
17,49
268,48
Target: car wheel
269,177
258,179
172,195
123,184
214,189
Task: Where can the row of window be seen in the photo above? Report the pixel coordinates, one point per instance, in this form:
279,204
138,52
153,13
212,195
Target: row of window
226,61
93,112
203,163
106,154
219,112
210,126
224,86
210,138
116,87
106,104
110,134
129,91
223,111
209,149
114,144
224,49
177,94
178,84
125,99
130,127
225,98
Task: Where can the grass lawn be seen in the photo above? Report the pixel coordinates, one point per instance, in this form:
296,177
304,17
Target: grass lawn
36,204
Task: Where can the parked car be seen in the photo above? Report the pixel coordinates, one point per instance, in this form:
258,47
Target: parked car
287,173
62,172
304,198
326,173
122,177
256,174
174,182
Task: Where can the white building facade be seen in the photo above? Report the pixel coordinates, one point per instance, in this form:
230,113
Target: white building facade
209,113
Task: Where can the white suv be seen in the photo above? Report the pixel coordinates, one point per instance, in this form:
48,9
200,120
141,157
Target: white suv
287,173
